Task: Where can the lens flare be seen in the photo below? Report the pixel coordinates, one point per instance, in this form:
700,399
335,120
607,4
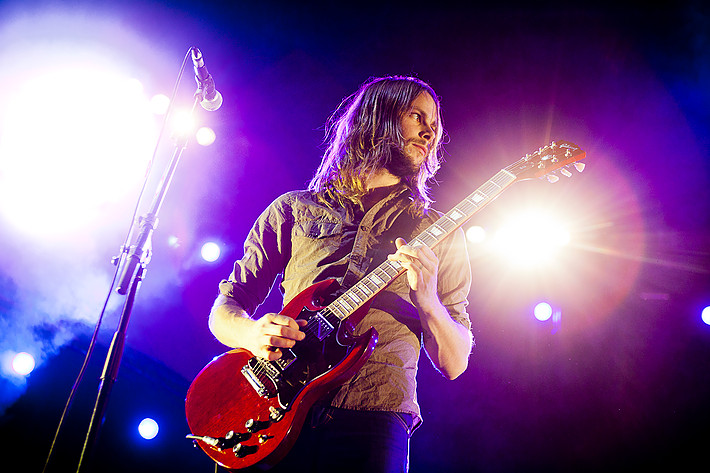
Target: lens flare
210,252
148,428
23,363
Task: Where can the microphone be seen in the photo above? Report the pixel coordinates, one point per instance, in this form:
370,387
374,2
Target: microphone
211,98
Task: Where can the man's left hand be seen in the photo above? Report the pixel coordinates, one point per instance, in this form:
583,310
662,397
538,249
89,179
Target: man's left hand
422,267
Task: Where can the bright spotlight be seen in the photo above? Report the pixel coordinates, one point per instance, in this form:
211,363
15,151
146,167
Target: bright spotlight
530,239
148,428
173,241
134,86
159,104
183,122
543,311
23,363
476,234
76,136
205,136
705,315
210,251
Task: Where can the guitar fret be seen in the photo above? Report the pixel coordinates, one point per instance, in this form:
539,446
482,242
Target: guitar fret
337,310
435,230
455,215
357,287
327,312
489,188
364,291
347,303
376,280
394,266
383,274
448,220
355,296
477,197
468,208
427,238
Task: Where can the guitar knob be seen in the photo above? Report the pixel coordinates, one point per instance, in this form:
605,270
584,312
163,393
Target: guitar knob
256,425
240,450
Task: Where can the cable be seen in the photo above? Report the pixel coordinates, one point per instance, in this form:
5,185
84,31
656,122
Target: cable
117,261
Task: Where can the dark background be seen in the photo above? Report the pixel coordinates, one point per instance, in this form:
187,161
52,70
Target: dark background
621,382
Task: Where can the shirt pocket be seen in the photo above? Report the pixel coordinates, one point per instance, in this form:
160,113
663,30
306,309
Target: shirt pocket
317,229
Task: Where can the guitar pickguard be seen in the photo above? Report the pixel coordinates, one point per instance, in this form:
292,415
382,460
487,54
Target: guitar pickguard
298,366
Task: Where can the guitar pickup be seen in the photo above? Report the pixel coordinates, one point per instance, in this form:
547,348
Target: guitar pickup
324,327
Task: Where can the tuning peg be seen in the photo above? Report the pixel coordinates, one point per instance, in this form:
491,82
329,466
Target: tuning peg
579,166
552,178
565,172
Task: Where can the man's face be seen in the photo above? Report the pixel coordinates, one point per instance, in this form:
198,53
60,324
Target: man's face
418,125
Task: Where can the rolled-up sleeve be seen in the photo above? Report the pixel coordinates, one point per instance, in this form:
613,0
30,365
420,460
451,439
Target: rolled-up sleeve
455,277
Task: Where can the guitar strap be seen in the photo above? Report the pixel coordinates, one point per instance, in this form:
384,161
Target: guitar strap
403,226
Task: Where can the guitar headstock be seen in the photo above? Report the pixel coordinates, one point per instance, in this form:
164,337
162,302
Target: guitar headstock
557,157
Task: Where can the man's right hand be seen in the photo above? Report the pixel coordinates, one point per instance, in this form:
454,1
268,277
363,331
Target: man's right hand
272,332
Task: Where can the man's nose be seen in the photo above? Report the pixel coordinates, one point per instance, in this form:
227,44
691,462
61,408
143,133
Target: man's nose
427,133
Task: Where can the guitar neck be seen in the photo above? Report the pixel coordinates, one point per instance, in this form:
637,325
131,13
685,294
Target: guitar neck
388,271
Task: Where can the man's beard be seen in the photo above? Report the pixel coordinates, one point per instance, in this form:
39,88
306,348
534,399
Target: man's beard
401,165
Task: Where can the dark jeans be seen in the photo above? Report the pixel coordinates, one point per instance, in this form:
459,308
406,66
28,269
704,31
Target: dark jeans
344,440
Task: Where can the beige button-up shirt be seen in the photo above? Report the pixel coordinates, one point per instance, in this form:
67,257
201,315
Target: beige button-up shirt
303,241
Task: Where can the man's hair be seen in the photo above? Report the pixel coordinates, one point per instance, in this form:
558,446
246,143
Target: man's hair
364,135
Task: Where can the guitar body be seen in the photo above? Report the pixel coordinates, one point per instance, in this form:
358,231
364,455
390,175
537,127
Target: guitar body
265,403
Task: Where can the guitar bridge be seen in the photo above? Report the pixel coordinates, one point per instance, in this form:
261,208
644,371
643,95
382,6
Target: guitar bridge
253,379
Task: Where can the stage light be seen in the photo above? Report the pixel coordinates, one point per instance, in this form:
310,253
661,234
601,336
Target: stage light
543,311
182,122
530,239
705,315
148,428
205,136
77,135
475,234
159,104
173,241
23,363
210,251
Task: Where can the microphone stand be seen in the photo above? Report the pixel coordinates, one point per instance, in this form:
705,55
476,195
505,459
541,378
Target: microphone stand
134,261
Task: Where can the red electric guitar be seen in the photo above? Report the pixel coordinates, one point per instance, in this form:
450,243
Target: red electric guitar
243,409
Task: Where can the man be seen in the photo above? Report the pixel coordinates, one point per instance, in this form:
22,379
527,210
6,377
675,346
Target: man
368,197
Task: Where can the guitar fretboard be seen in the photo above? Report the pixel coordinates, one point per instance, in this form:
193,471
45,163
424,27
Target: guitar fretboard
385,273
